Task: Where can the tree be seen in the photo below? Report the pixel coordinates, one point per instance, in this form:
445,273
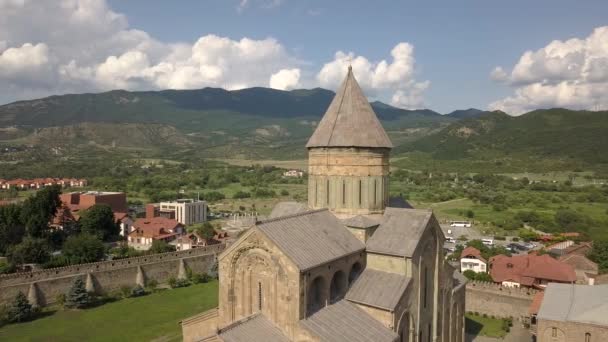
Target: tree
38,210
599,254
160,246
241,194
77,297
19,310
12,229
99,220
83,248
470,214
30,250
206,231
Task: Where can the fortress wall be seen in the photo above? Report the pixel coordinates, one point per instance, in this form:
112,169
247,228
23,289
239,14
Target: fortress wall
107,276
497,300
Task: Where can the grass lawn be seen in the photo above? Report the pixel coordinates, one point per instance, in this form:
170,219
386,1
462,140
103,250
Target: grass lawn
484,326
152,317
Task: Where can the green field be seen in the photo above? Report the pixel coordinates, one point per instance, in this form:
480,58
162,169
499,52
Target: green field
152,317
484,326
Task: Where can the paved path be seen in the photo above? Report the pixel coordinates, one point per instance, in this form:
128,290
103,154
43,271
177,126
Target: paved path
517,334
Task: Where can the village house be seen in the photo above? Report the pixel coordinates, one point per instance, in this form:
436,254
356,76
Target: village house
293,173
471,259
39,183
194,240
530,270
146,231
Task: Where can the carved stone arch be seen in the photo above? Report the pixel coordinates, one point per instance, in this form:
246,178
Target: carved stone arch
253,282
405,327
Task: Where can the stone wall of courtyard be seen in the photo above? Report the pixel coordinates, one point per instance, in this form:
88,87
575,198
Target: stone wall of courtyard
500,301
45,286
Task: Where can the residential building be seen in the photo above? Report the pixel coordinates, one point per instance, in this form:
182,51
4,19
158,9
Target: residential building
573,313
38,183
145,231
185,211
74,203
530,270
193,240
584,268
293,173
471,259
346,266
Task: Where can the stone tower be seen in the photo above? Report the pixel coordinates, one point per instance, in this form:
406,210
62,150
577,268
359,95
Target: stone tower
348,156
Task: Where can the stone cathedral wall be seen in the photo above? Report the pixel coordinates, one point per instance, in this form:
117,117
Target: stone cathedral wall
107,276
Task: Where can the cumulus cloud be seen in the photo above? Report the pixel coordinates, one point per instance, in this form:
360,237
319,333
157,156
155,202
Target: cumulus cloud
243,4
285,79
396,76
571,73
80,46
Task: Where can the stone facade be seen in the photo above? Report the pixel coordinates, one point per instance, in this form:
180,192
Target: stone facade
348,180
500,301
557,331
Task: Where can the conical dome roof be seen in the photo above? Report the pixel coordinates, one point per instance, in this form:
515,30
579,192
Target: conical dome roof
349,121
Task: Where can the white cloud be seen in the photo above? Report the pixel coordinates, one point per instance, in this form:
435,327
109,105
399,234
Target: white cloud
285,79
243,4
571,73
396,76
75,46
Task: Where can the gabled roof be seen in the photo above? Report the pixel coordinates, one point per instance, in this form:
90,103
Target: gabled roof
378,289
345,322
360,221
253,328
524,269
399,232
579,262
349,121
287,208
472,251
575,303
311,238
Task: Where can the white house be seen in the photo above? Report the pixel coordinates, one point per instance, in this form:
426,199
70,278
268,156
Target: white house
471,259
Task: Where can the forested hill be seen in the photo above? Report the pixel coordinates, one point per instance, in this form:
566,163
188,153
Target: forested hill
185,107
551,133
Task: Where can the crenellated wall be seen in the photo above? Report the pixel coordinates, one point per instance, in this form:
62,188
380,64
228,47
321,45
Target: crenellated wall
101,277
500,301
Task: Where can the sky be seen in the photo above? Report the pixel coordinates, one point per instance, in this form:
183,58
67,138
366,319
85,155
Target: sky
514,55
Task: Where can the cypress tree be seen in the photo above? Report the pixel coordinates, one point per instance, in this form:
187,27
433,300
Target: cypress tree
19,309
77,297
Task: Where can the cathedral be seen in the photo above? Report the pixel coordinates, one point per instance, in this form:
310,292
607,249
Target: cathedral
353,264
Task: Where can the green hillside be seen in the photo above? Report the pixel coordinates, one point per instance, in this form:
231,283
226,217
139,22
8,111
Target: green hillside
557,134
252,123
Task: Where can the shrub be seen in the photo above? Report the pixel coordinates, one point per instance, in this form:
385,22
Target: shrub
137,291
200,278
500,238
180,283
515,239
77,297
284,192
172,281
152,284
60,299
241,194
19,310
125,291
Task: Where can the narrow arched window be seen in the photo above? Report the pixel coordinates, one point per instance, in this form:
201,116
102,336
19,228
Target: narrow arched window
375,190
344,192
360,200
587,337
260,296
327,190
316,193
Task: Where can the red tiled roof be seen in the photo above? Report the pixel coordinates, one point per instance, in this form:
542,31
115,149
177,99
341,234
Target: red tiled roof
579,262
472,251
526,269
156,227
536,302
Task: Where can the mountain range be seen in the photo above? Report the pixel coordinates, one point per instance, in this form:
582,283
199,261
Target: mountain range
268,123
